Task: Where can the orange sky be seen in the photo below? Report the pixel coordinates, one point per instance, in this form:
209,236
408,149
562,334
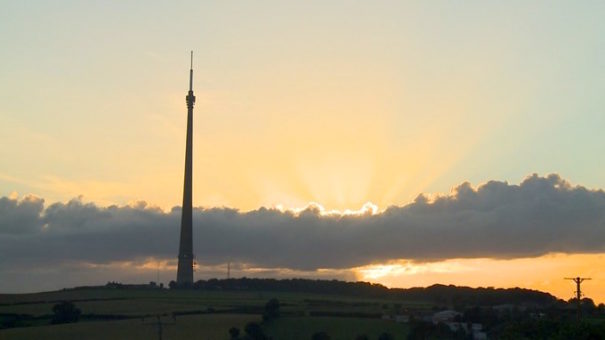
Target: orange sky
545,273
340,103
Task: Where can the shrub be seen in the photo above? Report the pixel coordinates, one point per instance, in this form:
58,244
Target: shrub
234,332
254,331
271,310
320,336
386,336
65,312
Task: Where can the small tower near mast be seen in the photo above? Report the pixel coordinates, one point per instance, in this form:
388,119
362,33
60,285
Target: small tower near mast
184,276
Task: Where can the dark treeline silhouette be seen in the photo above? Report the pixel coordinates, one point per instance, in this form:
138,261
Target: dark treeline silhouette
438,294
65,312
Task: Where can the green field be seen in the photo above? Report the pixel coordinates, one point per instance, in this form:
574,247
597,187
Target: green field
185,327
337,327
199,314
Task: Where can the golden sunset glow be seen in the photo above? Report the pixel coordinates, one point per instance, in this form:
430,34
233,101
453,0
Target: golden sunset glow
404,143
545,273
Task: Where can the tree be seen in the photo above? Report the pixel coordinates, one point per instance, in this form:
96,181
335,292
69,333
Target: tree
320,336
65,312
254,331
386,336
234,332
588,306
271,310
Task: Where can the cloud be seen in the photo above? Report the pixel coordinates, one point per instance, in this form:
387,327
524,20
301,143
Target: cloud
19,217
496,220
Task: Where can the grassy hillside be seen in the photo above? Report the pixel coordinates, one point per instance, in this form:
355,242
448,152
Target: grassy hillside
296,328
133,302
130,314
343,310
185,327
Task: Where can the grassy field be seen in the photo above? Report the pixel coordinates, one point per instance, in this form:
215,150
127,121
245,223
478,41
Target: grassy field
296,328
212,314
214,326
146,301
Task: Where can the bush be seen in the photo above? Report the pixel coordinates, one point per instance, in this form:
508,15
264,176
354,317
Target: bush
234,332
65,312
386,336
271,310
320,336
254,331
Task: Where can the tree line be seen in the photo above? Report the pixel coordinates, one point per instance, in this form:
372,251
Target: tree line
438,294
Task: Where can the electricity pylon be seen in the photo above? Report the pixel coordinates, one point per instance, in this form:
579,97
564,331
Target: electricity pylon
578,280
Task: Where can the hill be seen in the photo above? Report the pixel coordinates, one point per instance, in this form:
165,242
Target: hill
210,308
437,294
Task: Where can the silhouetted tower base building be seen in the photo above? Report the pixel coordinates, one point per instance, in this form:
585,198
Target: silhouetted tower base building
184,276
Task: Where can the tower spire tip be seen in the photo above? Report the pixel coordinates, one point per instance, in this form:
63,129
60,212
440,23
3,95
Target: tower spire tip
191,74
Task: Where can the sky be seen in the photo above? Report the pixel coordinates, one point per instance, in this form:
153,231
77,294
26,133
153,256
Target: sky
345,111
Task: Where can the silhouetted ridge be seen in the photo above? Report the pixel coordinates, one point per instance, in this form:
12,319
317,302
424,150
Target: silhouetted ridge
439,294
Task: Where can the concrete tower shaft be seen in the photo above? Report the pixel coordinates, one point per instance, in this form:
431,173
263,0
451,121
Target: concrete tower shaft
184,276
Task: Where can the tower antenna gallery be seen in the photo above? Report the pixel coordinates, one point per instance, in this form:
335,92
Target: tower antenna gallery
184,276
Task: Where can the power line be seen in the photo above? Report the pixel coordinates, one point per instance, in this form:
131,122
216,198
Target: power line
159,324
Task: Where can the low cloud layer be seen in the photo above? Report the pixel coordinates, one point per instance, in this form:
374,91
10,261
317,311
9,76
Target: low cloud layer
496,219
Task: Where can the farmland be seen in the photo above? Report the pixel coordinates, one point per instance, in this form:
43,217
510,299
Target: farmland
187,314
294,309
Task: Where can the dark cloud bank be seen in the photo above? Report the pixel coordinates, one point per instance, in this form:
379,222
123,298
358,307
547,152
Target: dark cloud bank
498,220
